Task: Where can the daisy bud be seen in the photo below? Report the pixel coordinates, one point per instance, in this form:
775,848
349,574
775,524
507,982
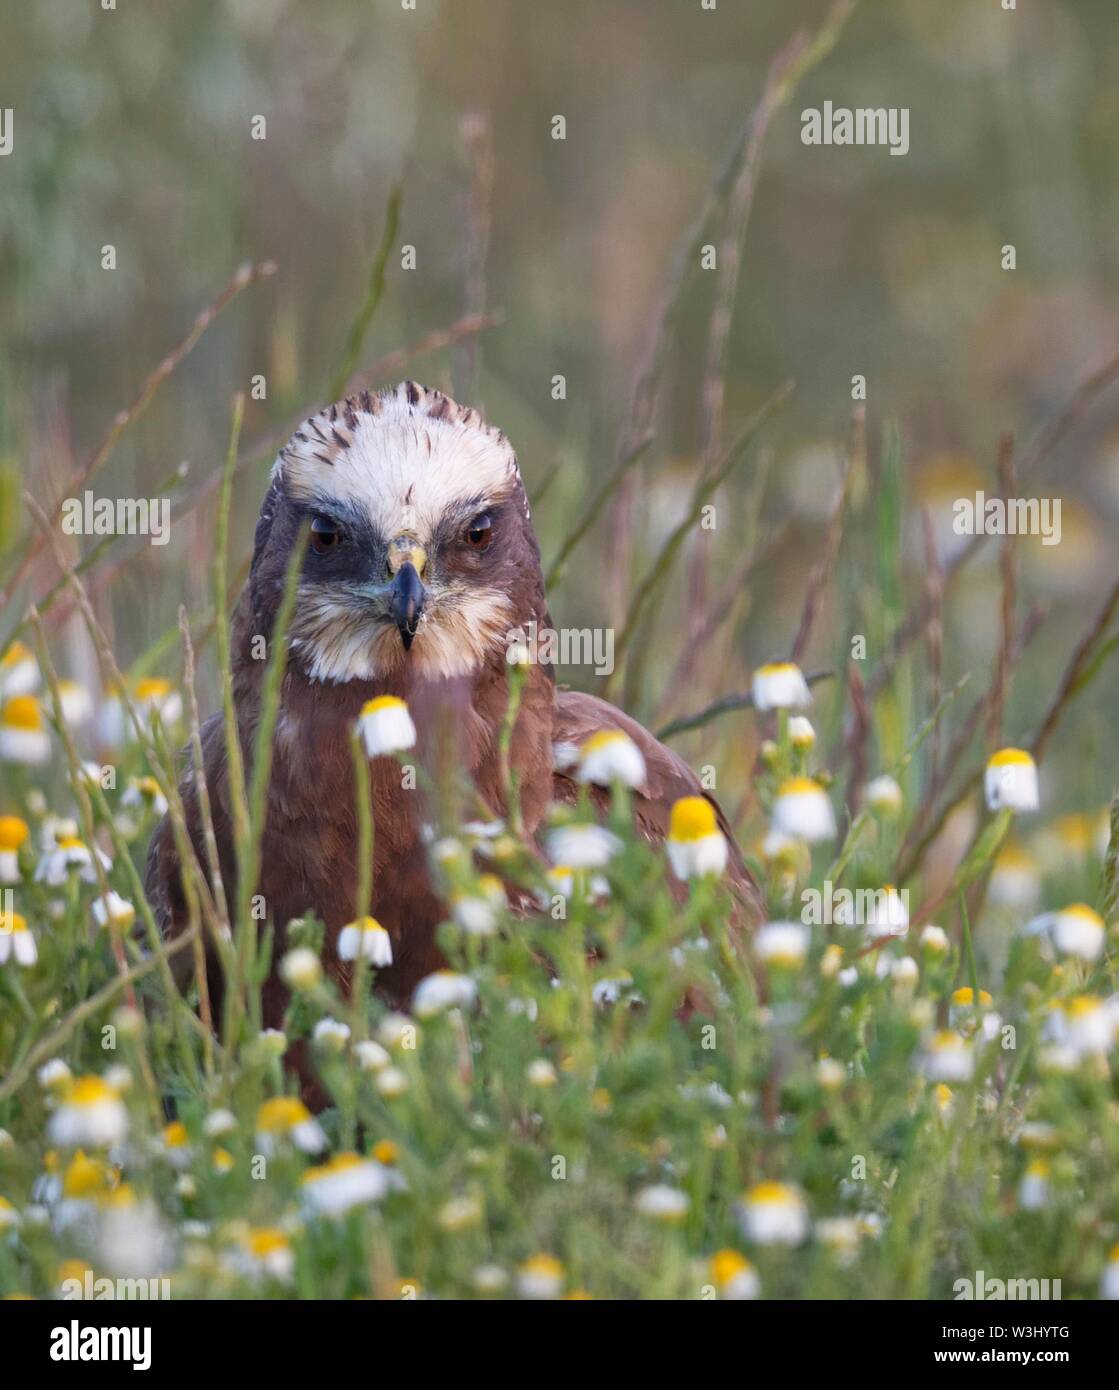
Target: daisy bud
1015,880
76,701
948,1057
344,1182
734,1277
801,733
272,1042
1010,781
1033,1191
331,1035
392,1083
541,1073
541,1276
490,1278
695,845
459,1214
16,941
780,685
783,944
934,940
904,972
1078,931
286,1117
218,1123
831,961
371,1056
91,1114
773,1213
802,810
13,835
830,1074
883,796
54,1075
662,1203
1109,1281
611,756
1090,1026
155,695
301,969
19,671
581,846
443,990
23,732
115,909
386,726
365,938
478,912
265,1252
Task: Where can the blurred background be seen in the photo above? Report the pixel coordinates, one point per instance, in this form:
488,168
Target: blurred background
133,129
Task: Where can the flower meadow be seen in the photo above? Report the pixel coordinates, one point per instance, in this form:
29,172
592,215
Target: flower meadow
776,405
617,1095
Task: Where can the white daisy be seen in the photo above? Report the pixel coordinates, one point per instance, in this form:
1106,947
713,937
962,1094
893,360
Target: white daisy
386,726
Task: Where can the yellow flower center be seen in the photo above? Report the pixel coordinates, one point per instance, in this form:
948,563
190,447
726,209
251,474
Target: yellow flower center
769,1192
603,739
1011,757
381,703
13,832
152,688
1082,912
84,1176
367,924
23,712
341,1163
15,654
727,1265
964,996
800,786
90,1090
280,1113
692,818
265,1241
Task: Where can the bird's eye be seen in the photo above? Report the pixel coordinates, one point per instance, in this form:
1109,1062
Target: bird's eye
324,535
480,531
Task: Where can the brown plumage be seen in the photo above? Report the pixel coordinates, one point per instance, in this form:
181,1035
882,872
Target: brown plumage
408,473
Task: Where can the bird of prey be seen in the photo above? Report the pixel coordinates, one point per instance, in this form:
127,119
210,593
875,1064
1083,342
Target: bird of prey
420,560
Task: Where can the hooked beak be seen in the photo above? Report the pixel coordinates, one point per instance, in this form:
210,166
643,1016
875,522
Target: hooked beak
407,601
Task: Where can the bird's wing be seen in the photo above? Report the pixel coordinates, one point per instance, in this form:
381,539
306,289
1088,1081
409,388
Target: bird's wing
667,778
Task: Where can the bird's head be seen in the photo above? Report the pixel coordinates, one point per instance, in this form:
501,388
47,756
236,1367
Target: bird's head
420,548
